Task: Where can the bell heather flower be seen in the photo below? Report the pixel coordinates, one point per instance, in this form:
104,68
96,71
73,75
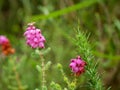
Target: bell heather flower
3,40
77,65
34,36
7,49
6,46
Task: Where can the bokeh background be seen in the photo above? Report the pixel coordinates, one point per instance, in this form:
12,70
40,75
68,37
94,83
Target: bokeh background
58,20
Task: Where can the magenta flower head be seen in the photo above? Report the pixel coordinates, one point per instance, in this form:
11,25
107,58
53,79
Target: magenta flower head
34,37
77,65
3,40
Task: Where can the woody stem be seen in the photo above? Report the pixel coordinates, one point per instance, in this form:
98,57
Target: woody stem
43,72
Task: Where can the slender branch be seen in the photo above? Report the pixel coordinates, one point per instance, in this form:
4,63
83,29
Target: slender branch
43,72
20,87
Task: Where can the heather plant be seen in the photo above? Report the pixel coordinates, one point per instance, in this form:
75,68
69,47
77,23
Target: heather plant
35,39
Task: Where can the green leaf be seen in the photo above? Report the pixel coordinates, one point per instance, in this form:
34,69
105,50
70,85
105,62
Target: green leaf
81,5
38,68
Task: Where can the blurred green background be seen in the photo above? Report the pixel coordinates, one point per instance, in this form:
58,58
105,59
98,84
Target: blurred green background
57,20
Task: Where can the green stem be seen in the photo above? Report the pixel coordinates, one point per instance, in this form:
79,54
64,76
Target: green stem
20,87
43,72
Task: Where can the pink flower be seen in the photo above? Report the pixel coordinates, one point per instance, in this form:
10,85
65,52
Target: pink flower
3,40
6,46
77,65
34,37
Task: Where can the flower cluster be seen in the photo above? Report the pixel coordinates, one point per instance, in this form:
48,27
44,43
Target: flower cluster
6,46
34,36
77,65
3,40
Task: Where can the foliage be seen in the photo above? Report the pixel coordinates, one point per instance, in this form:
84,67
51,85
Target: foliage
57,20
